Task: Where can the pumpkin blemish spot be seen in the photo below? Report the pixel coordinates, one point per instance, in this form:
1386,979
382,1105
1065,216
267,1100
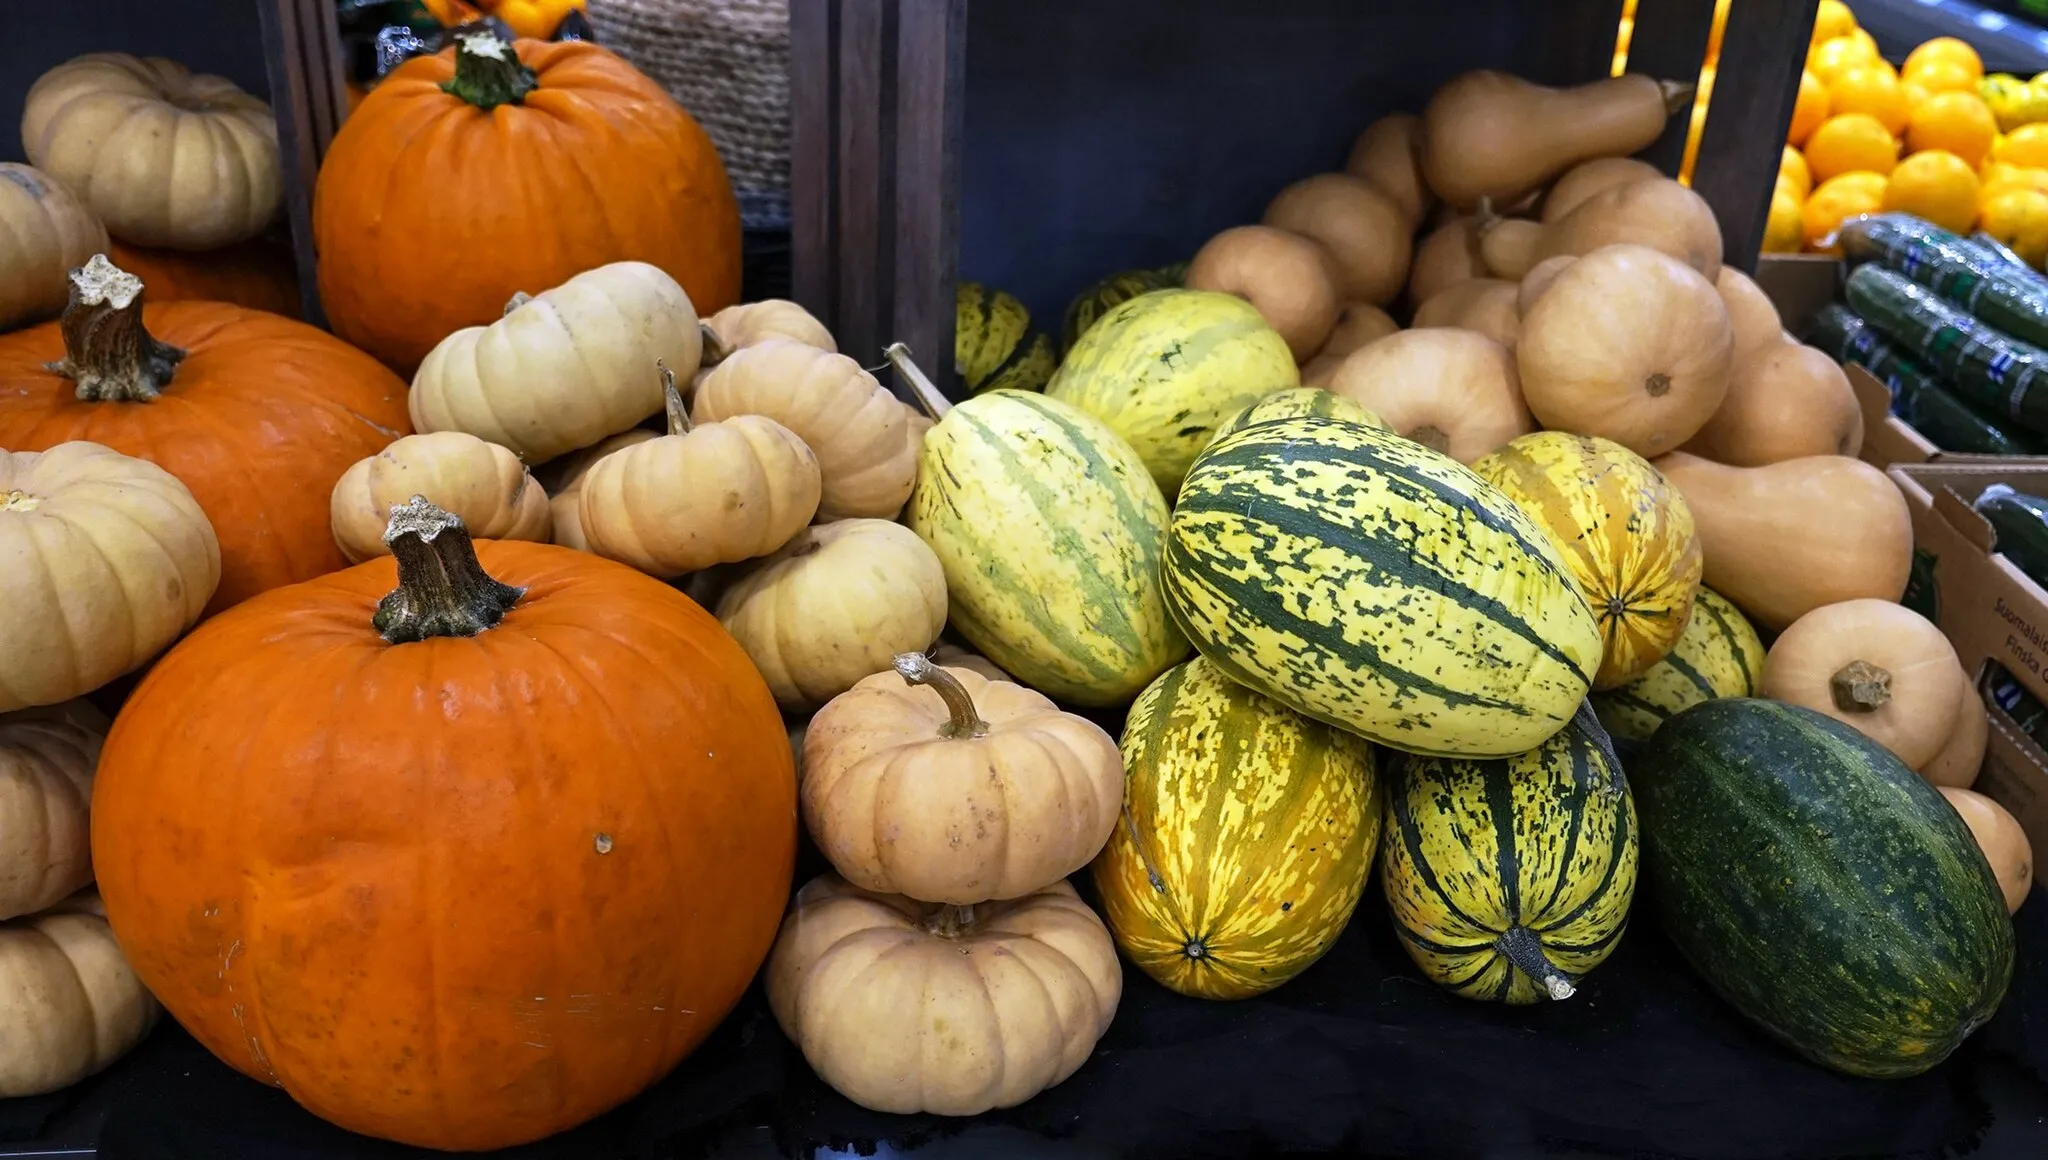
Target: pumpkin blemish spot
19,501
603,843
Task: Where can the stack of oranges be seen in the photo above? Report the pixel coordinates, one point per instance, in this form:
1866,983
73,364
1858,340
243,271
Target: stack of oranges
1866,137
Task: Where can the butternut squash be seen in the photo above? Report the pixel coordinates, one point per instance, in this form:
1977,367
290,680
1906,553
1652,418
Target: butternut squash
1660,214
1486,305
1628,344
1588,179
1962,755
1786,402
1359,324
1784,539
1880,668
1367,237
1389,154
1284,276
1508,245
2004,843
1489,134
1751,316
1447,256
1451,390
1538,279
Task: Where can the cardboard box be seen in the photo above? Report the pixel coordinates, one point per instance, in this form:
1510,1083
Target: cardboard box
1799,285
1994,614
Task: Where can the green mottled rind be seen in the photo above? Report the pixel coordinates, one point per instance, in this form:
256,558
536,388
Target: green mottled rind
1821,886
1376,585
1718,655
1165,370
1050,532
1091,304
1545,841
1260,824
994,347
1296,402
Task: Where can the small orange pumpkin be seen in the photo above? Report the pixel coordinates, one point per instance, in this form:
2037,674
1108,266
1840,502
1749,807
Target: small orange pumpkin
257,274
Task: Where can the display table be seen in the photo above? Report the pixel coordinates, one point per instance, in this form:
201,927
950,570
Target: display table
1357,1056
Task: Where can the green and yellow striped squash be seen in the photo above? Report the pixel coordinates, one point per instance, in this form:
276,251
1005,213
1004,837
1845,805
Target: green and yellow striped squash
994,347
1050,532
1165,370
1249,836
1511,879
1718,655
1625,532
1295,402
1378,586
1091,304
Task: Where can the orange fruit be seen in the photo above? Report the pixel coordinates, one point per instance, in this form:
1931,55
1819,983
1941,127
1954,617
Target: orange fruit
1873,89
1785,229
1716,29
2019,218
1836,200
1851,142
1942,76
1947,48
1960,123
1832,58
1792,168
1936,185
2025,146
1810,111
1832,19
1915,95
1999,177
1695,128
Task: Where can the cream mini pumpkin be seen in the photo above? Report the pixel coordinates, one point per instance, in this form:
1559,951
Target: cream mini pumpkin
704,494
753,323
165,156
104,560
945,786
69,1004
45,233
564,368
904,1006
834,605
483,483
565,484
859,431
47,757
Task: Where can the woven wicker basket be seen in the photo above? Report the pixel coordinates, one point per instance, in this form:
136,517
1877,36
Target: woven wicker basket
727,62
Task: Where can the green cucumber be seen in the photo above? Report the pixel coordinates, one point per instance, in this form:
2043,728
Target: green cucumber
2001,251
2021,523
1918,396
2000,374
1961,272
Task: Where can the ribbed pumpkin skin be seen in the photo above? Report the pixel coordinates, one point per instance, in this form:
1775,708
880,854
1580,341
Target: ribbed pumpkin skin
1625,533
1718,655
1545,842
1260,823
1297,402
1380,587
1165,370
1050,532
1822,887
994,347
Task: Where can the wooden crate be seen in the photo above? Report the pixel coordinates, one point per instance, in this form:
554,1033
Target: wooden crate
286,51
1037,145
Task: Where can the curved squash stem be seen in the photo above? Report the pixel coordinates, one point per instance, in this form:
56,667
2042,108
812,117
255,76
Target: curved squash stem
442,589
1525,951
918,669
1588,722
1678,95
488,72
106,350
715,350
929,400
951,920
1860,687
672,399
1144,858
518,299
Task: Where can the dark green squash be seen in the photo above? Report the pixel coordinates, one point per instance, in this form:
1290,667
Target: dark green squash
1820,886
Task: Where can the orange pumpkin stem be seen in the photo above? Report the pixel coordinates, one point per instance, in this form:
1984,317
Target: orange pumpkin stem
488,72
672,398
1860,687
442,588
918,669
921,387
106,350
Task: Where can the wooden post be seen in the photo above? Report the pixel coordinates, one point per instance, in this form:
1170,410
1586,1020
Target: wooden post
1669,43
302,54
1762,50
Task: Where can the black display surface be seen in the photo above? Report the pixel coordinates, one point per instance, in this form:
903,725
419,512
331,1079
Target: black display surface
1358,1056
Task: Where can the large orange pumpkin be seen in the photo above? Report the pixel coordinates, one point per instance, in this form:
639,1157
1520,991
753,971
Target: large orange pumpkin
257,415
257,274
446,881
436,204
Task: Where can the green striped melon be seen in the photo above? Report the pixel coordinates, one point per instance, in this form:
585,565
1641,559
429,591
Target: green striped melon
1510,879
1166,369
1250,834
1379,586
994,345
1718,655
1295,402
1050,532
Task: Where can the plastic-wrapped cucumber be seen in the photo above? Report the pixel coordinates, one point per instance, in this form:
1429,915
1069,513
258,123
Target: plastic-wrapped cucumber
2005,377
1918,396
2000,250
1960,271
2021,522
